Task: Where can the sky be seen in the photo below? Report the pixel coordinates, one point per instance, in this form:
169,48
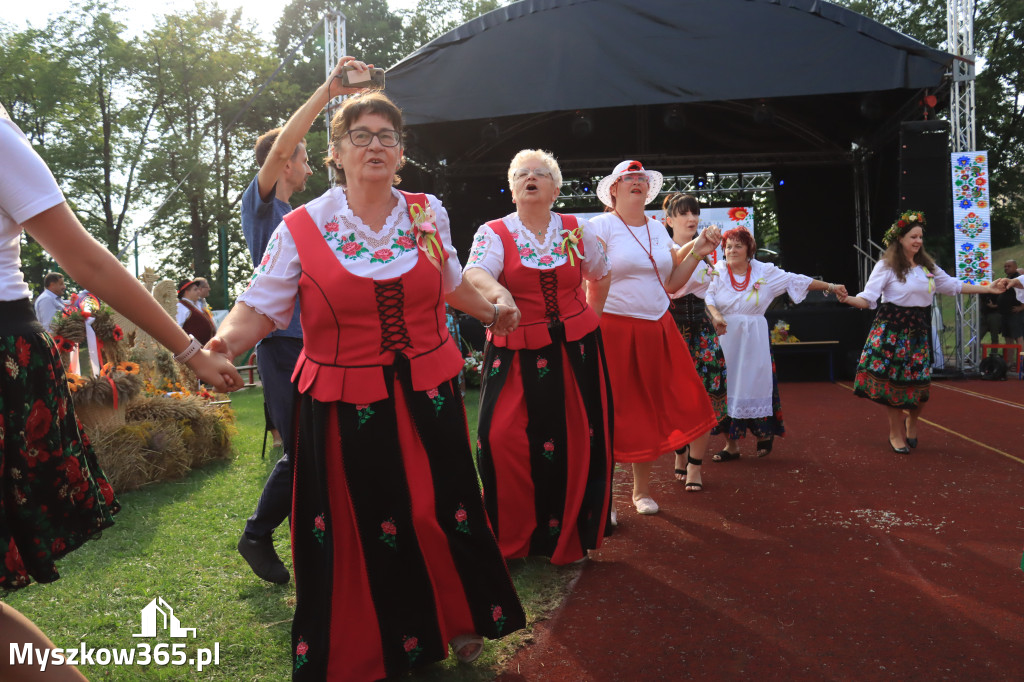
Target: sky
139,13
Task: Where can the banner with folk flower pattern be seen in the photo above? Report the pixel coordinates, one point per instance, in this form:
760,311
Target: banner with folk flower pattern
972,214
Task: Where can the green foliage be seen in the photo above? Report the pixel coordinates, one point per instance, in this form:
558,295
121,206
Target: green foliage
999,90
433,18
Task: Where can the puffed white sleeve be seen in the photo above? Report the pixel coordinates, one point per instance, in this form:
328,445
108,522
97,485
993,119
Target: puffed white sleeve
275,281
778,281
1020,292
451,274
595,253
712,292
486,253
944,284
880,277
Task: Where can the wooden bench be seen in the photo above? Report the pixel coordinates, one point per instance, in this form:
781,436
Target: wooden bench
826,348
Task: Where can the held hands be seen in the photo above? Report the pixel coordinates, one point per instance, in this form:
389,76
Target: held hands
215,369
508,320
719,323
1000,285
841,293
708,240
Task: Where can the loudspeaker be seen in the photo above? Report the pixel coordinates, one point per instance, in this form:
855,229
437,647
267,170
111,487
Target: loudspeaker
925,183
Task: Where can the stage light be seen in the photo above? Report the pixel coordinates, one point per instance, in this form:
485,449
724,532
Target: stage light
674,119
763,114
582,125
781,183
701,180
490,132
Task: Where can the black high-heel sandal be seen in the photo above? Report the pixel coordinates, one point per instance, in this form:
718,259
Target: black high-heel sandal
693,486
912,442
899,451
685,450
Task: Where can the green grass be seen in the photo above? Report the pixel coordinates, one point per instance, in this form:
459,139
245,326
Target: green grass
177,540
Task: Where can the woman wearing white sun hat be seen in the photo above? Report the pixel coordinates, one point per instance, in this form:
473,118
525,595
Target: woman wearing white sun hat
660,404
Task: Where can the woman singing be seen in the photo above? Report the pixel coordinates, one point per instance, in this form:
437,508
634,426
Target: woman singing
394,557
545,435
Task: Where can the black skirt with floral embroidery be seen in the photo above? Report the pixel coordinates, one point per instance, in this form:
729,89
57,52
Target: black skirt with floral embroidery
53,494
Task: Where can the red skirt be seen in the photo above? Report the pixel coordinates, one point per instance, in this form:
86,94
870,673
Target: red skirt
660,404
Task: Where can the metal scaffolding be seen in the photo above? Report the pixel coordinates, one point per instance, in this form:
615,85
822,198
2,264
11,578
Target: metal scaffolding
335,38
960,42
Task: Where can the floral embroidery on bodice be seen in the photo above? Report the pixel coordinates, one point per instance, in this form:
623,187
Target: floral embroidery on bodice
348,234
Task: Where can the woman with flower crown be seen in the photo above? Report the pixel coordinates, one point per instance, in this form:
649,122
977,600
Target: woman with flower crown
394,556
895,366
741,293
544,445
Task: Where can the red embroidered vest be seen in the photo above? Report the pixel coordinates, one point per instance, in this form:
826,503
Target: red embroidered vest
543,297
198,324
353,327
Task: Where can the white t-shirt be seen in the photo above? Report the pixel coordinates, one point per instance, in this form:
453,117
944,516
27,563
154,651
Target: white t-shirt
392,252
915,291
27,188
635,290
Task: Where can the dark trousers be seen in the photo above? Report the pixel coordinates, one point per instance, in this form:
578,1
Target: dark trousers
275,358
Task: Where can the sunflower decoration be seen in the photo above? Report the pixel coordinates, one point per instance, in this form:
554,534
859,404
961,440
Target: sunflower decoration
75,382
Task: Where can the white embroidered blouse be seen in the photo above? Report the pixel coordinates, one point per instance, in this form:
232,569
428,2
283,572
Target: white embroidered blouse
389,253
915,291
488,252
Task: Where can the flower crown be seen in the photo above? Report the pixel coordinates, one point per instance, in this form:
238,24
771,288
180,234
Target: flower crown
903,224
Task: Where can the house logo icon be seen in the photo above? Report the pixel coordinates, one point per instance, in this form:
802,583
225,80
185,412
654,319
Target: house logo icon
156,612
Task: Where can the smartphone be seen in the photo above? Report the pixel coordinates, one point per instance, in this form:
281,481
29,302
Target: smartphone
372,78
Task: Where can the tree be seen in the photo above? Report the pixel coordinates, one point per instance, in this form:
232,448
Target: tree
205,68
433,18
999,90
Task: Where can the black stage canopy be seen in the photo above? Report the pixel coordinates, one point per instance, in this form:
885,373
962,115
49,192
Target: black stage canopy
558,55
810,92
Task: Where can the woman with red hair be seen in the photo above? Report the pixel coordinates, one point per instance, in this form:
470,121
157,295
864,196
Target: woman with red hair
742,293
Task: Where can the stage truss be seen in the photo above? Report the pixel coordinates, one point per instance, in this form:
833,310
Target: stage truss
583,191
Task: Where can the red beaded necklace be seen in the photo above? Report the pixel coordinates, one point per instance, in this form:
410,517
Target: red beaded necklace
739,286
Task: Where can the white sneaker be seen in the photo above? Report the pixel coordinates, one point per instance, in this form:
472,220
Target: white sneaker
615,517
645,505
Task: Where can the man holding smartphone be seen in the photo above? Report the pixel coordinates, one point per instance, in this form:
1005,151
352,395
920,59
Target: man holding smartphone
284,168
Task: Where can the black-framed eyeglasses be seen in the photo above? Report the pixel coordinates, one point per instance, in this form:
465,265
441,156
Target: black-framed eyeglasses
363,138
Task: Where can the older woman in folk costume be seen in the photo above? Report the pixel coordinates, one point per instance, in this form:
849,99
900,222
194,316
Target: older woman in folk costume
394,557
544,442
895,366
698,325
741,293
660,403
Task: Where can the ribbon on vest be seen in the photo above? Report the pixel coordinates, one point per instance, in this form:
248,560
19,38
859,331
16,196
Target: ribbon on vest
755,291
427,239
570,244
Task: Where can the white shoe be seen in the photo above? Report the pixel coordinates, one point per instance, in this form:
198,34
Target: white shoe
646,505
615,517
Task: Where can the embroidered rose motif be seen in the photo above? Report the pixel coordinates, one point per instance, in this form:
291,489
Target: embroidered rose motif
318,528
412,648
497,617
300,653
363,413
462,520
542,367
38,423
437,399
389,533
549,449
545,260
495,367
404,241
553,527
382,256
24,351
525,252
331,227
350,248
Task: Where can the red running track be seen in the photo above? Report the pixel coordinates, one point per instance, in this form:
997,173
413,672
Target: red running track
831,559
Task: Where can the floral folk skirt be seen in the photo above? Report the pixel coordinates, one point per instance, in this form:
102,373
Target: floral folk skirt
708,360
54,495
393,552
895,366
544,447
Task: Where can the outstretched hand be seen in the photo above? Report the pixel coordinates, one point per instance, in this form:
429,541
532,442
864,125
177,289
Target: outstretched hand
1000,285
508,320
841,293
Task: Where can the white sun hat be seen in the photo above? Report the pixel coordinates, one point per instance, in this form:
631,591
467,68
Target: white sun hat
628,167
